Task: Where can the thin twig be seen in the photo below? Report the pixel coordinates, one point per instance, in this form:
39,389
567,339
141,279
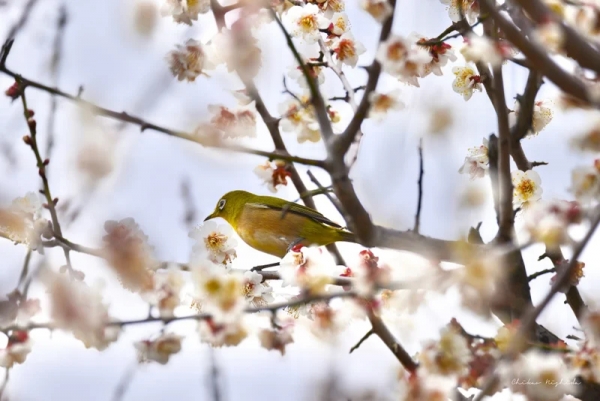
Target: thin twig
535,275
420,183
362,340
125,382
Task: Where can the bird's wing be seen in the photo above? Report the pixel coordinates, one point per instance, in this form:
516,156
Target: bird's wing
291,207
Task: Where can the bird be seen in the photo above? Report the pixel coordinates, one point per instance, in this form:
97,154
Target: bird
273,225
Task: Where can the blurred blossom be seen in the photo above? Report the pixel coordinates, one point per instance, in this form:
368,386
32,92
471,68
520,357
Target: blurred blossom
189,61
78,308
448,356
273,174
575,275
482,49
185,11
307,268
548,369
382,103
160,349
427,386
145,17
466,81
440,54
22,222
166,292
329,7
222,334
17,310
379,9
17,349
550,35
589,140
277,338
585,183
403,59
221,292
548,221
477,161
527,187
237,48
315,69
368,274
440,119
96,149
242,97
238,123
470,9
214,242
130,255
328,322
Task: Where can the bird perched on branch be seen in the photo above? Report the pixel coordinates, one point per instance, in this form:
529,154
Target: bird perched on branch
273,225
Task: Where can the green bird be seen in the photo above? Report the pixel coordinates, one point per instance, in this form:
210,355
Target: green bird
273,225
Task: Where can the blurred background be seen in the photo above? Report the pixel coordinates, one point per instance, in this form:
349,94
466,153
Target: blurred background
104,170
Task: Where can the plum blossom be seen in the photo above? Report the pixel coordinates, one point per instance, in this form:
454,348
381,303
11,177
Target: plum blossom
542,115
482,49
440,53
526,187
404,59
222,334
589,140
129,254
307,268
185,11
329,7
427,386
466,82
276,338
382,103
477,161
347,50
378,9
22,222
548,369
315,70
273,174
478,280
305,22
160,349
222,293
550,34
298,117
369,276
17,349
448,356
234,123
188,61
255,291
214,242
548,222
166,293
78,308
339,24
585,182
470,9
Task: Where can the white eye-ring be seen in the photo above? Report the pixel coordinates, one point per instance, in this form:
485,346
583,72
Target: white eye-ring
222,204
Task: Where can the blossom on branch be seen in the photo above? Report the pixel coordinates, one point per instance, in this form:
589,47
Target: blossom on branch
483,49
466,81
329,7
185,11
255,291
526,187
448,356
307,268
299,118
548,222
542,115
378,9
222,334
346,49
468,8
315,69
160,349
22,222
403,59
188,61
214,242
17,349
440,53
238,123
477,161
305,22
273,174
276,338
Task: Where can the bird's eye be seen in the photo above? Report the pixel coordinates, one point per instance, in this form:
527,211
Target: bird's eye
222,204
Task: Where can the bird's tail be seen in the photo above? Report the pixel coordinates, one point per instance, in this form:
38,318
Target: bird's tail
347,236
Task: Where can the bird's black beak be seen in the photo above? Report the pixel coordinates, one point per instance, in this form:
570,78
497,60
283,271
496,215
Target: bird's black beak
210,216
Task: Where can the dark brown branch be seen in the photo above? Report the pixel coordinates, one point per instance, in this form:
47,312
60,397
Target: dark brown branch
388,339
539,58
576,46
541,273
362,340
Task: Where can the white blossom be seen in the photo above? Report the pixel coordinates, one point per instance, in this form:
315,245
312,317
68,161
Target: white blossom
188,61
346,49
383,103
379,9
477,161
185,11
585,183
526,187
160,349
466,81
482,49
307,268
305,22
214,242
22,222
470,9
256,292
542,115
404,59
